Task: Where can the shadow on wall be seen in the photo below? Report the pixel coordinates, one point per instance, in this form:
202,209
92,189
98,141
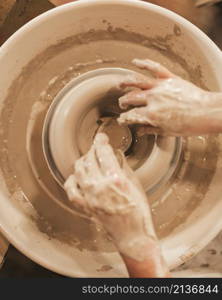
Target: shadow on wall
22,12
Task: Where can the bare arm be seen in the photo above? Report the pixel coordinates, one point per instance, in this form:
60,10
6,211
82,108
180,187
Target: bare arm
149,262
105,189
152,267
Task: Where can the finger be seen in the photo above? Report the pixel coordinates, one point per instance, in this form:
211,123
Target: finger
111,166
138,81
92,167
76,197
159,70
107,159
134,98
86,182
135,116
87,170
125,166
73,192
80,173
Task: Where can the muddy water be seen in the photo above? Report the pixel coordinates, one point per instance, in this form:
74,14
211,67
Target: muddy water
22,160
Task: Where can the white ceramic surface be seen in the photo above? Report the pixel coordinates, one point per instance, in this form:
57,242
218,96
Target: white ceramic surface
204,223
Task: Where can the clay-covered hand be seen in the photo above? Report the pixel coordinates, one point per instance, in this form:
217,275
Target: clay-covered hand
169,105
104,188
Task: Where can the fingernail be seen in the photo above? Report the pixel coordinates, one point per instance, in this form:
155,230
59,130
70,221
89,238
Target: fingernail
122,98
123,102
136,60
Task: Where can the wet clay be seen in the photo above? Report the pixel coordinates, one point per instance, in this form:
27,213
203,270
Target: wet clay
105,188
22,162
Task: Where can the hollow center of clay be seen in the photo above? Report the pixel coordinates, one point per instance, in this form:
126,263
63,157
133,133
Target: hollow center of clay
120,136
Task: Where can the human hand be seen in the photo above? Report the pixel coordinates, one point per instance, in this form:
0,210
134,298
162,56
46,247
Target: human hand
168,105
105,189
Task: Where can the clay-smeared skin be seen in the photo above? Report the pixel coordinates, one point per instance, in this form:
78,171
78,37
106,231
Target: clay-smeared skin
169,105
106,190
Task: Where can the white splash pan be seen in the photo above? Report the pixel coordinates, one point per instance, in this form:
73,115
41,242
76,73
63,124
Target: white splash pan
204,223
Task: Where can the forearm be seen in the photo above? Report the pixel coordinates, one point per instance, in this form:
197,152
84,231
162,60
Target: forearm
153,266
212,117
203,117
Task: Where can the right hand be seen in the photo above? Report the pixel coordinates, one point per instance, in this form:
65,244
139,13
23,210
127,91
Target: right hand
167,105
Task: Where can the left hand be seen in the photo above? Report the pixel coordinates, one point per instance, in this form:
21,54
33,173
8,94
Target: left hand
106,190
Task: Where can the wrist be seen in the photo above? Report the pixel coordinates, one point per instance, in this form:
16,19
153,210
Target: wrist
211,120
152,264
139,248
